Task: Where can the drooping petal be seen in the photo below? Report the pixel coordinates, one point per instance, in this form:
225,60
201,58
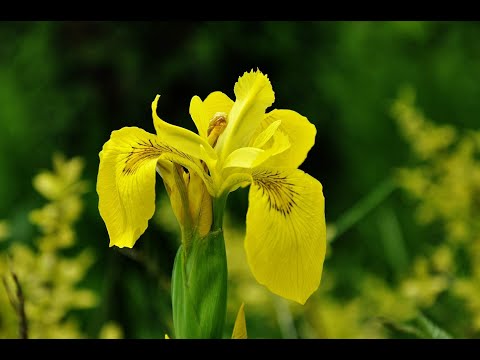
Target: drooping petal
126,181
126,184
301,134
183,138
254,94
203,112
285,238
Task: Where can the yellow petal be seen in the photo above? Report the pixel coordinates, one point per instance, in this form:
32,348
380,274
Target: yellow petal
285,238
198,116
244,157
250,157
234,180
184,139
260,140
176,185
126,184
240,327
301,135
200,204
254,94
202,112
280,143
126,181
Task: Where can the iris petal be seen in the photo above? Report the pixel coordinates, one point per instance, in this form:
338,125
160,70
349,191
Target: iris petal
301,135
286,236
203,112
184,139
254,94
126,181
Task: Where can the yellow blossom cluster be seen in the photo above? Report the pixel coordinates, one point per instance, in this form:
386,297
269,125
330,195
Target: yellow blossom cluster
49,281
446,186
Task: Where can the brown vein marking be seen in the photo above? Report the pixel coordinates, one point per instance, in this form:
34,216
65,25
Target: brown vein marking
146,150
279,191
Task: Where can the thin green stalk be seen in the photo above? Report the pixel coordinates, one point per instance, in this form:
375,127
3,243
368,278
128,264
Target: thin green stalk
393,241
431,330
362,208
285,318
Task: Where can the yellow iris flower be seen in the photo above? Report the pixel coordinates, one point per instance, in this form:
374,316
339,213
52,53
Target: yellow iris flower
237,144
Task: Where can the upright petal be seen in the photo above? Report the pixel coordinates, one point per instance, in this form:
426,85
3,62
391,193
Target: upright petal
184,139
126,181
254,94
301,134
203,112
286,236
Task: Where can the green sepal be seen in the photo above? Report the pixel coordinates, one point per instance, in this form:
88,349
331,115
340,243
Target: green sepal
199,288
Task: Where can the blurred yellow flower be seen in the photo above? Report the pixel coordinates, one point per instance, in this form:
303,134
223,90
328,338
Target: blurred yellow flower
4,230
49,280
111,330
446,184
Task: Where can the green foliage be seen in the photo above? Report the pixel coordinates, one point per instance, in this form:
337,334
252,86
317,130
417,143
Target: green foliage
446,185
47,282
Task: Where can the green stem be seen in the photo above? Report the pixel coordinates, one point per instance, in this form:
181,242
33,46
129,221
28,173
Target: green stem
199,283
218,210
362,208
199,289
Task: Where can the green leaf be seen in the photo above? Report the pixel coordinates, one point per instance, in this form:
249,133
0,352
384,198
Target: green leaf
400,330
199,288
421,327
432,330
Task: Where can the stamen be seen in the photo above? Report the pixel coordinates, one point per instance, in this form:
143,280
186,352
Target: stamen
216,127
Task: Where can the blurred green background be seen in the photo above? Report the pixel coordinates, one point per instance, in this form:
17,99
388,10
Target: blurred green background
64,86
